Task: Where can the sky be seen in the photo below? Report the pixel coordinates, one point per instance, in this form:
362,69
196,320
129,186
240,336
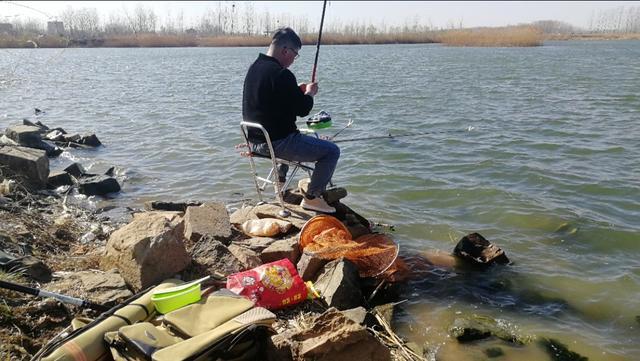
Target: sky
435,13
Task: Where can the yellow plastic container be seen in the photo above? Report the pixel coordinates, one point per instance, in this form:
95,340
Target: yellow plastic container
169,299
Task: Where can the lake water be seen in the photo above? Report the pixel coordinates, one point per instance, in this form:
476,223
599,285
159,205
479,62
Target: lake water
537,149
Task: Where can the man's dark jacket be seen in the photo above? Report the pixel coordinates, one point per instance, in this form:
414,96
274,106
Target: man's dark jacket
271,97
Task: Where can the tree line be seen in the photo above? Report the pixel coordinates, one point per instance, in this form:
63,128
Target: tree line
232,19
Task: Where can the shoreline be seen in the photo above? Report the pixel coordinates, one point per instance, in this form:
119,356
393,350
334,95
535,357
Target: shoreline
463,37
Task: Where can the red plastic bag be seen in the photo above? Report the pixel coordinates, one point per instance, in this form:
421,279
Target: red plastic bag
273,285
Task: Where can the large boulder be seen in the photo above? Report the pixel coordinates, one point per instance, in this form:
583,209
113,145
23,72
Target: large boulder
30,164
25,135
58,179
209,220
148,250
339,284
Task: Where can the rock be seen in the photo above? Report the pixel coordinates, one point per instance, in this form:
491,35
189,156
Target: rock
475,327
147,250
349,216
170,206
32,164
242,215
356,315
24,135
104,288
309,265
298,215
26,265
209,220
76,170
256,244
334,194
71,138
339,284
478,251
335,337
4,140
55,135
112,172
559,351
284,248
247,257
215,257
52,150
493,352
90,140
279,346
59,178
98,185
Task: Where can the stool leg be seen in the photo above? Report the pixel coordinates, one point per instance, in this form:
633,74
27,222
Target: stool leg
255,177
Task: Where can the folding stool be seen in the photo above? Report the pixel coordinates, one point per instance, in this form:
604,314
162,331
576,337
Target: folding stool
271,178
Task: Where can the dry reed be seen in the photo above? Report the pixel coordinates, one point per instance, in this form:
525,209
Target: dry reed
510,36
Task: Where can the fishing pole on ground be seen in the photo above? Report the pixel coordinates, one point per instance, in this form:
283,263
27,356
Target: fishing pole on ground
42,293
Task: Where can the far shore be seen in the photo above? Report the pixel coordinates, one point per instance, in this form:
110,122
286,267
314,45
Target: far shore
520,36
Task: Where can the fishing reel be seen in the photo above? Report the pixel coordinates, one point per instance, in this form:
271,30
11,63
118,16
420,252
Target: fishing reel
320,120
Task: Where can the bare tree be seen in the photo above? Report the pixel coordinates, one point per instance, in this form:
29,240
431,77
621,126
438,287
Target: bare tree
249,18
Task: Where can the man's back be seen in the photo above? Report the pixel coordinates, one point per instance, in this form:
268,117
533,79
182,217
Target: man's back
272,98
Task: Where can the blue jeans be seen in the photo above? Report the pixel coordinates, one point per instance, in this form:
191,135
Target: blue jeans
303,148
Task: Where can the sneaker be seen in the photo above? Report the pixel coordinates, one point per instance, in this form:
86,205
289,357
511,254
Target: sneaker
316,204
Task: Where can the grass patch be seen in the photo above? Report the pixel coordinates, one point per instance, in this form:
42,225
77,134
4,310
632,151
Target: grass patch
510,36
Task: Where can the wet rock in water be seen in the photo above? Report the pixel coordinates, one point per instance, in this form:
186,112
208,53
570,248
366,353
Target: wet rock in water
105,288
209,220
478,251
27,265
58,179
334,194
493,352
31,164
170,206
339,284
215,257
98,186
284,248
55,135
475,327
52,150
559,352
25,135
349,216
638,319
147,250
247,257
333,336
309,265
76,170
90,140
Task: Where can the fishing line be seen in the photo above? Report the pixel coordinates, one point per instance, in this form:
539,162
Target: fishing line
392,136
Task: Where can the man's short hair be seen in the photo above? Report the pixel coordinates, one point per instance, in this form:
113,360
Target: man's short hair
286,37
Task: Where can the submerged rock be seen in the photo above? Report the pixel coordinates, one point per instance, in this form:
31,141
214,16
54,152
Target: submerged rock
168,206
559,352
478,251
475,327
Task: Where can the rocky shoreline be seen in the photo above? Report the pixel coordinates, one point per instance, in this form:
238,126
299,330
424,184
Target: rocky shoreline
65,248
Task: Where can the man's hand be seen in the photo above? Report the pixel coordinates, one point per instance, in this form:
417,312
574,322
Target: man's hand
309,88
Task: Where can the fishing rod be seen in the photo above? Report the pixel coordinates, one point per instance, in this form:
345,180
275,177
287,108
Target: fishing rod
42,293
315,63
392,136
